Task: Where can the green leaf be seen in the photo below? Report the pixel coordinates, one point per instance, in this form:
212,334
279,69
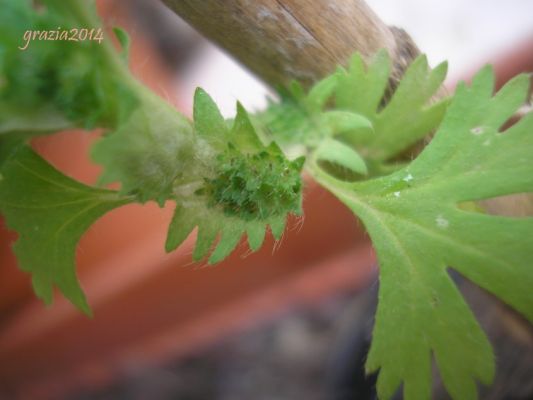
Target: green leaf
208,122
406,118
256,236
243,134
320,93
213,223
124,40
348,106
246,188
50,212
338,153
362,88
298,118
347,122
419,229
277,226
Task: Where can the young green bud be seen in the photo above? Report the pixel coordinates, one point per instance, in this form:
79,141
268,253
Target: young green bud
256,186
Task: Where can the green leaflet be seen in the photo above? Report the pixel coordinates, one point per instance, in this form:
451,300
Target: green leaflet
337,152
248,187
419,230
347,106
50,212
301,120
124,40
208,122
212,223
406,118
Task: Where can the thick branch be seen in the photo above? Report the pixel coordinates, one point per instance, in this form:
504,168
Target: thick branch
281,40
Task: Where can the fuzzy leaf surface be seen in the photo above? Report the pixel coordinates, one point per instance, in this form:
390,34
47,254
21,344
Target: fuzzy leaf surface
248,187
419,230
148,152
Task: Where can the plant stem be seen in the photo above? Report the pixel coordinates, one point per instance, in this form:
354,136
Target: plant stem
304,40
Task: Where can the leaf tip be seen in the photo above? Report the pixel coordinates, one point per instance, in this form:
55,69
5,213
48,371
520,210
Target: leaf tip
277,227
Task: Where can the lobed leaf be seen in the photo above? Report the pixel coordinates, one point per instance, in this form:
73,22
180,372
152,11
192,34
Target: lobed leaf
406,118
351,107
336,152
213,224
242,194
419,229
50,212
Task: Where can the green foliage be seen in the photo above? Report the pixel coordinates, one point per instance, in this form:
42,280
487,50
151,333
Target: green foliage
229,178
149,148
334,151
124,40
255,186
419,230
249,186
416,215
350,107
53,85
250,181
212,222
406,118
301,119
50,212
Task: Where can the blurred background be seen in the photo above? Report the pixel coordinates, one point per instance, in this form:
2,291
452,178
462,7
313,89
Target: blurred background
291,321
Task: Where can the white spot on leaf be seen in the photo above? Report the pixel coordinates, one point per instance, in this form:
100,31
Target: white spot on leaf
442,222
478,130
396,194
408,178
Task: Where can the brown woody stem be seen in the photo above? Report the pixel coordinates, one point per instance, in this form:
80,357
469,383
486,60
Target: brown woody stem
281,40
